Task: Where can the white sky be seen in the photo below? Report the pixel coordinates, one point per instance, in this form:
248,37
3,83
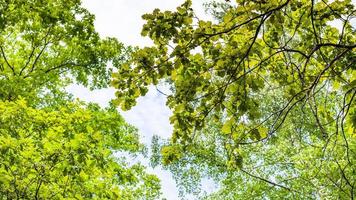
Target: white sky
122,19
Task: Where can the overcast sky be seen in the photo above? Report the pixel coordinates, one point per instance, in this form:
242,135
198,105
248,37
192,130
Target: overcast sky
122,19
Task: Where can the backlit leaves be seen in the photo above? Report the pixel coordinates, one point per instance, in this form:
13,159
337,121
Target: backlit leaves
68,153
251,71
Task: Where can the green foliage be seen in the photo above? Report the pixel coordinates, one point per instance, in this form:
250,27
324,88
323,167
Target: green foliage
295,163
275,79
256,46
44,45
52,147
68,153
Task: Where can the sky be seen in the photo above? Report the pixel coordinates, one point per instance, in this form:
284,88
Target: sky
122,19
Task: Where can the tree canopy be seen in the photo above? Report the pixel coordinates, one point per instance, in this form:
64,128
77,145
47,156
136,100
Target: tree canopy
263,101
45,44
67,153
264,95
51,145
